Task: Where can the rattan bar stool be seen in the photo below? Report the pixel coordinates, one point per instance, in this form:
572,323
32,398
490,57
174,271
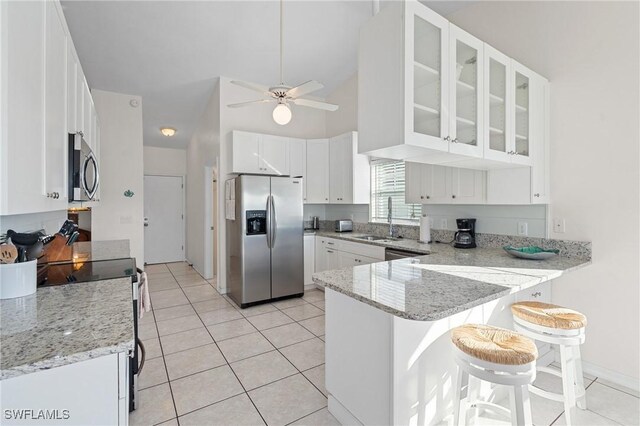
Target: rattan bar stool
495,355
563,327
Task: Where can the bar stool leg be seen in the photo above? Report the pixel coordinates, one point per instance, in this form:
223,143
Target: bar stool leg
475,385
460,397
568,382
520,406
577,359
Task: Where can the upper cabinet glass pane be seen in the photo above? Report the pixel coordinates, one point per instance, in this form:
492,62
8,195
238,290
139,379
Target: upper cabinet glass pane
466,94
427,78
497,107
522,114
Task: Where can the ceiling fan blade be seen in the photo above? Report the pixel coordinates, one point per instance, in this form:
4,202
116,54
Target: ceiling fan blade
241,104
315,104
304,88
252,86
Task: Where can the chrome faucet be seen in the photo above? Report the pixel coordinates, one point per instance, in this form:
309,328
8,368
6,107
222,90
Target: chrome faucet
389,216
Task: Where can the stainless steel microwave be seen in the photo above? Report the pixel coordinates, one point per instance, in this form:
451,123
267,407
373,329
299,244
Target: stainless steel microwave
84,176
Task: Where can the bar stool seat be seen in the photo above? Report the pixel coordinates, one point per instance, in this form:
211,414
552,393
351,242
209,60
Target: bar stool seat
494,344
498,356
548,315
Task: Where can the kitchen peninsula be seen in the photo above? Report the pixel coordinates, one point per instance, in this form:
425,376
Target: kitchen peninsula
387,326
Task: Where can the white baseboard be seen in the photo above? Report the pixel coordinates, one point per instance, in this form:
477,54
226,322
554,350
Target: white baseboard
607,374
342,415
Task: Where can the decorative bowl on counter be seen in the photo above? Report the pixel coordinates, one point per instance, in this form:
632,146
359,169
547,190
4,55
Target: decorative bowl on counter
531,252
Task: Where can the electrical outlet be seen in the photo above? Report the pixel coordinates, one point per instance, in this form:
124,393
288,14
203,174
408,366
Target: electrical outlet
523,229
559,226
443,224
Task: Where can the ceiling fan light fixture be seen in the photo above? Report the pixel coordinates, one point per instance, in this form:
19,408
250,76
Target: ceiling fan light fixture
167,131
282,114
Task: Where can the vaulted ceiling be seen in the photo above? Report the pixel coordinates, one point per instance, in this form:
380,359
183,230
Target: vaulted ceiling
171,52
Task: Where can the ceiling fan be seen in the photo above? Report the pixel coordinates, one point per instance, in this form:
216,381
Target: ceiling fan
283,94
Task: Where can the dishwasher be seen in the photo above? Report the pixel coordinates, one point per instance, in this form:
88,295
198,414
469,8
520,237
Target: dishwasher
393,254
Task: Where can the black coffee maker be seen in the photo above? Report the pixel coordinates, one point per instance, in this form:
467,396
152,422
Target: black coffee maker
466,235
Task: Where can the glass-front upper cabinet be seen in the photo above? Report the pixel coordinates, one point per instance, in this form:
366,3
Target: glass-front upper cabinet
465,90
497,104
427,68
522,111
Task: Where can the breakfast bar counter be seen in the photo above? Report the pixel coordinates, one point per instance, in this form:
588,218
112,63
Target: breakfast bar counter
401,311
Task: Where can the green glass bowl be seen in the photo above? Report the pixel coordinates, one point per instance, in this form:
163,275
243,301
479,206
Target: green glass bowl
531,252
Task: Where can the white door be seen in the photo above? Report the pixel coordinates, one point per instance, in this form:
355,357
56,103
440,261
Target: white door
164,222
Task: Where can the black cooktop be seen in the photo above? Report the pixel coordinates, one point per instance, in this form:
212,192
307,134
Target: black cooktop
78,272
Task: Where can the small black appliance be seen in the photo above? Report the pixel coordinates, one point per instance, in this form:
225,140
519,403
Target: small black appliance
465,237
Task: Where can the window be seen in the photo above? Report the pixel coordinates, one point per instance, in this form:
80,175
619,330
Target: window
387,180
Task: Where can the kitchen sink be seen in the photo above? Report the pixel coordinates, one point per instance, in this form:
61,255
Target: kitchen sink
370,238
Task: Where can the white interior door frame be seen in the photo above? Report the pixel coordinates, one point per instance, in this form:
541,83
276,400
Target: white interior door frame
210,175
184,211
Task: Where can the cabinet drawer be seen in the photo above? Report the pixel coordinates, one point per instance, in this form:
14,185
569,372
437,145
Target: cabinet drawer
367,250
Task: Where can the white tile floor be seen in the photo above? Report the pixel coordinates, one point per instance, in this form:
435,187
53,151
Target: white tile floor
210,363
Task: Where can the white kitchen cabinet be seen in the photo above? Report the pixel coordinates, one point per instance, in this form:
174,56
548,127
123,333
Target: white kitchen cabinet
317,171
432,184
335,253
466,68
22,118
526,185
44,96
309,258
274,155
94,391
255,153
298,162
246,153
87,114
331,260
430,92
55,132
349,172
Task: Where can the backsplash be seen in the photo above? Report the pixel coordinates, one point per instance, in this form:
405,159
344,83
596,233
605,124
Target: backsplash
49,221
579,249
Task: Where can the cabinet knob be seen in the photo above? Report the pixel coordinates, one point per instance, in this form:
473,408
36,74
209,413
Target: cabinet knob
536,294
447,139
428,197
49,195
453,196
536,195
326,199
455,140
329,251
422,197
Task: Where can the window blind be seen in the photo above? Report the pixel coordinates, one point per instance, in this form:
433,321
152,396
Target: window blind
388,180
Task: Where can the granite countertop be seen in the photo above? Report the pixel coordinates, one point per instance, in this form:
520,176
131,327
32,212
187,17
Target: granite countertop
64,324
443,283
101,250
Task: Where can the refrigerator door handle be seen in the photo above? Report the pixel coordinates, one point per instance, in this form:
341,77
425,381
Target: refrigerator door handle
274,223
269,221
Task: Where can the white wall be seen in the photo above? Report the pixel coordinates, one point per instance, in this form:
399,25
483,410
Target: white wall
202,151
118,217
345,119
589,52
165,161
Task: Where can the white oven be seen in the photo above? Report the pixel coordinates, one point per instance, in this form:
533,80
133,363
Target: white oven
84,176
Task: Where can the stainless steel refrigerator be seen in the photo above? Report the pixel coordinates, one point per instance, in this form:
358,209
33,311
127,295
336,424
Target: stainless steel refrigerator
265,239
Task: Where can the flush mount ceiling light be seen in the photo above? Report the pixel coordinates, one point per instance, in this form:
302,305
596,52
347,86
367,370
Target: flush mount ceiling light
168,131
283,94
